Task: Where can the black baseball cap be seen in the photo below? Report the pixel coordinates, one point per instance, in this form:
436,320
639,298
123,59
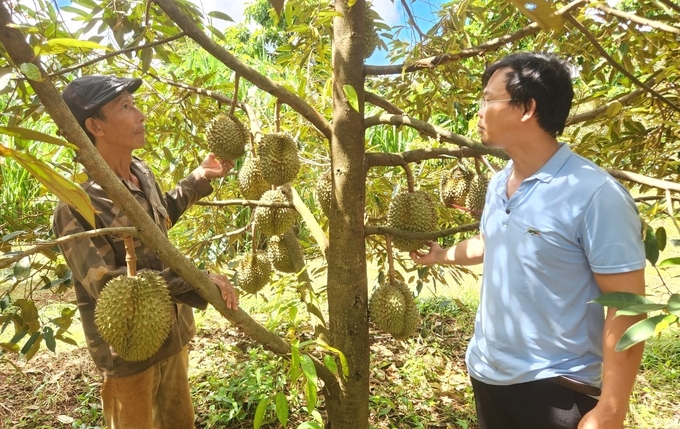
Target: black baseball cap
85,95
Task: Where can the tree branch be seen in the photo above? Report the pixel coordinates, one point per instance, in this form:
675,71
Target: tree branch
615,64
382,230
377,100
251,203
412,19
245,71
374,159
37,247
491,45
435,132
636,19
671,5
592,114
644,180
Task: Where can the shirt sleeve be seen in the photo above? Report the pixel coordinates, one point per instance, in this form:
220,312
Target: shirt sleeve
611,231
186,193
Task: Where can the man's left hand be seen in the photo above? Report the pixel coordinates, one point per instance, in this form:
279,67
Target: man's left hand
213,169
599,418
229,294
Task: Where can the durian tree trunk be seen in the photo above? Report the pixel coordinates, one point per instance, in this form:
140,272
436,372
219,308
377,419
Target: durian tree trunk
347,284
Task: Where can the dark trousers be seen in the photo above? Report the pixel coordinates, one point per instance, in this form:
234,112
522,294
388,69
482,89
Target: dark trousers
535,405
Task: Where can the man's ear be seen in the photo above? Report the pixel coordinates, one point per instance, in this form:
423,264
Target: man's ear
93,127
529,111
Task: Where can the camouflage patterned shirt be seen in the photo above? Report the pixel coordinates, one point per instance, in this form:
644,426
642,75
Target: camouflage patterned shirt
95,261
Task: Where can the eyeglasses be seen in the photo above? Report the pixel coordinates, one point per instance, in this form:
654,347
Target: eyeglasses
482,102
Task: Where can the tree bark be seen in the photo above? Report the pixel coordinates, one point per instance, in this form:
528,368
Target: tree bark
347,283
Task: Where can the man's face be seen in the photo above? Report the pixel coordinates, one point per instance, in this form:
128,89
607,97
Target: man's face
124,123
497,118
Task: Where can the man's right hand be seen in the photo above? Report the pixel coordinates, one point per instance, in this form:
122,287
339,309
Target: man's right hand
433,256
229,294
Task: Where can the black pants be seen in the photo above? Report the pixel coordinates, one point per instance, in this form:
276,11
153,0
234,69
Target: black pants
534,405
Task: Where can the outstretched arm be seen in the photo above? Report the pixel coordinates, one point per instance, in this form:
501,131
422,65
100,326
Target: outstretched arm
467,252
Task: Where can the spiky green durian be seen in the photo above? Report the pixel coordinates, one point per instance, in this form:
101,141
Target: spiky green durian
279,255
477,194
271,221
134,315
227,136
324,191
279,160
371,38
412,211
393,309
454,186
250,181
253,272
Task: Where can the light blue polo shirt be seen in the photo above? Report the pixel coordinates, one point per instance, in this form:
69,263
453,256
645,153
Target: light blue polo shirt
565,222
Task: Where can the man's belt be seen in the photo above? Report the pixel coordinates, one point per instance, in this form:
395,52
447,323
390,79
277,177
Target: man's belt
576,386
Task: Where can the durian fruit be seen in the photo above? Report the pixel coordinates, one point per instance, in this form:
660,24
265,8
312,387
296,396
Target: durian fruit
412,211
250,181
279,160
393,309
324,191
253,272
454,186
134,315
271,221
227,137
279,256
477,194
371,38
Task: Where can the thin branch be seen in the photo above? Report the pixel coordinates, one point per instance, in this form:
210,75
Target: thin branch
644,180
412,19
491,45
311,222
382,230
435,132
592,114
37,247
671,5
251,203
377,100
669,207
116,53
616,65
636,19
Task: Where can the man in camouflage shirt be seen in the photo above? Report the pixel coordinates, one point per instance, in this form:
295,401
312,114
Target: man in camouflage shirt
153,393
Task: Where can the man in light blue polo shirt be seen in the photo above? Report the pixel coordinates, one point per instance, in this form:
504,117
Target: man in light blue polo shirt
556,232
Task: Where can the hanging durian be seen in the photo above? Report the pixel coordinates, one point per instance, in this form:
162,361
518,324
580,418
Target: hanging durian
134,313
371,37
454,186
412,211
279,160
279,255
250,181
324,191
477,194
227,137
271,221
393,309
253,272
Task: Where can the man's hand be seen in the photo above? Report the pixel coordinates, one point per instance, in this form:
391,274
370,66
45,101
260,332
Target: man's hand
229,294
211,168
599,418
429,258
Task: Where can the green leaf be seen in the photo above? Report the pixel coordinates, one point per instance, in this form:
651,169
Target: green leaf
635,310
48,335
351,3
295,371
277,5
282,408
309,370
64,189
61,45
329,362
341,355
651,246
10,347
613,109
310,425
25,133
260,412
642,330
220,15
541,11
661,237
31,71
674,304
352,96
621,300
670,262
27,349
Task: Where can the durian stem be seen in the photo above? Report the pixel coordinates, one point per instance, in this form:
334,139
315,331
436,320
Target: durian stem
253,241
232,109
277,116
488,164
409,177
478,167
390,259
130,256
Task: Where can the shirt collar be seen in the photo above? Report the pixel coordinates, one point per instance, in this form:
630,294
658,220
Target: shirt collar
550,168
